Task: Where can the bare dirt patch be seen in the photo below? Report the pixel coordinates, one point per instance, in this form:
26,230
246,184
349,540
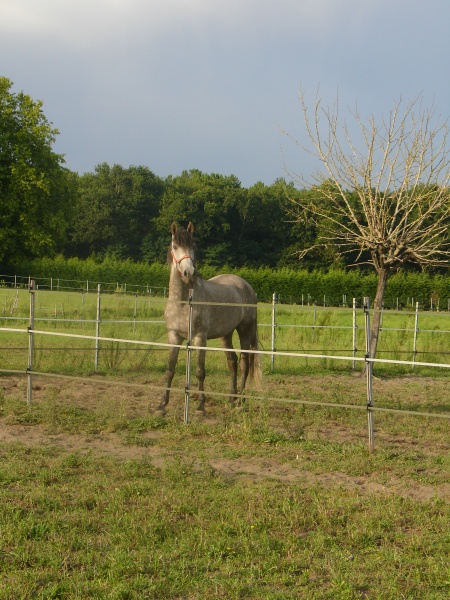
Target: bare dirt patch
138,402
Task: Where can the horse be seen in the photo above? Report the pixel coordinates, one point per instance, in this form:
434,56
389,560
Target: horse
209,320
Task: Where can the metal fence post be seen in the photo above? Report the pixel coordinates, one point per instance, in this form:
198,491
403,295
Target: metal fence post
314,322
31,343
274,324
97,328
135,313
416,331
187,389
354,334
369,371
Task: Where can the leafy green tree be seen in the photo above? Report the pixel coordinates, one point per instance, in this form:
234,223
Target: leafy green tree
262,228
115,212
209,201
36,191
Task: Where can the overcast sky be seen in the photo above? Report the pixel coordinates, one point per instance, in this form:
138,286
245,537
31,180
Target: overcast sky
209,84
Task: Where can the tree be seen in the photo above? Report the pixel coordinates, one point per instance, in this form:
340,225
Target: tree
114,211
35,189
209,201
384,195
265,235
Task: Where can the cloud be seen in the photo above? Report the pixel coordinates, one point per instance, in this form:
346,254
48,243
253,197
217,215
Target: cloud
86,24
206,83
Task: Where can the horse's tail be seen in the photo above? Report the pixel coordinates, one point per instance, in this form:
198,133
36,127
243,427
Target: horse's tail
255,372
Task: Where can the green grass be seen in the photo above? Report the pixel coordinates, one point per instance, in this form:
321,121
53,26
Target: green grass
99,499
183,533
303,329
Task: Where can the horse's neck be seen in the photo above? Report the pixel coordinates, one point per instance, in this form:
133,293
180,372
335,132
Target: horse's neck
178,290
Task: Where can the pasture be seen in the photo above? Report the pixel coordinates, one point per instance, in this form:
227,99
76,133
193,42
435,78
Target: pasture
100,499
304,329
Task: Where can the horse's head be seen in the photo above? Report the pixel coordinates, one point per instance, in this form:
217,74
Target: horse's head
182,251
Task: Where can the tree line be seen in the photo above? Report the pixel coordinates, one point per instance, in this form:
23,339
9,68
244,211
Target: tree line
125,212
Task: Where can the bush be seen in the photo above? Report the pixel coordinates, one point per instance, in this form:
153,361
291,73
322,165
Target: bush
291,286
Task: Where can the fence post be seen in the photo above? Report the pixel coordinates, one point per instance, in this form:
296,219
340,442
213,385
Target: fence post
416,331
187,389
380,329
274,324
135,313
97,328
369,370
314,322
30,343
354,334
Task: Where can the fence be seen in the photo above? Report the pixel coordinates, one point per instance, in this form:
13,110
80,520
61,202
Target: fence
273,353
432,301
76,285
414,331
313,319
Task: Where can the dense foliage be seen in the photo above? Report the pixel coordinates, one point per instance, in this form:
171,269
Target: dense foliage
36,191
332,287
126,214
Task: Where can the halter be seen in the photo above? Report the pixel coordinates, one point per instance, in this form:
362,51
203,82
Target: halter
177,262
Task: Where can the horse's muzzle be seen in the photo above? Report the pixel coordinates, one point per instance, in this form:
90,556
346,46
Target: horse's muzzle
187,275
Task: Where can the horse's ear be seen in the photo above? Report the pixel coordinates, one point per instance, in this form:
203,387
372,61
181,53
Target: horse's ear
190,228
173,228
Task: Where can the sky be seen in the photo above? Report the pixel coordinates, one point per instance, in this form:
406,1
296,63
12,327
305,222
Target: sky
214,85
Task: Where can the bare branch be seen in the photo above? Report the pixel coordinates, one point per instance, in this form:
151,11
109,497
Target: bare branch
390,196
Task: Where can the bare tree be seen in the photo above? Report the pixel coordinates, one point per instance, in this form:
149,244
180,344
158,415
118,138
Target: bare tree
382,192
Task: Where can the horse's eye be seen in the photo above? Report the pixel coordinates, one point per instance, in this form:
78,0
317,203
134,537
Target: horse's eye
175,247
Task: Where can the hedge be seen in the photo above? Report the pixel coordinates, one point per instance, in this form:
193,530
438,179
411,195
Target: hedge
290,285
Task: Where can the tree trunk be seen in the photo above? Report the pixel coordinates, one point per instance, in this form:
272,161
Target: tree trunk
377,308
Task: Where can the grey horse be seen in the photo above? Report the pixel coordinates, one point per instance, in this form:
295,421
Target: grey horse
226,303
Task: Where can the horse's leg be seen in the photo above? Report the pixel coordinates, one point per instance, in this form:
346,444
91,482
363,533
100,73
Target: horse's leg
227,342
200,373
244,363
245,367
177,339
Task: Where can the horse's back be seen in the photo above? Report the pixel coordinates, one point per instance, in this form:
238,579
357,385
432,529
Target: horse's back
238,287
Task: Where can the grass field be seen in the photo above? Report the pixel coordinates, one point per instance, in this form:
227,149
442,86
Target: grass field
303,329
100,499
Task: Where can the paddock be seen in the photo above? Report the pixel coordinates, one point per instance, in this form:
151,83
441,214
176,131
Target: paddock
57,330
282,500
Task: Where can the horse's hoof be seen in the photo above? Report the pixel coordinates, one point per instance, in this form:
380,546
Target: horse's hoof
241,408
200,413
160,413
